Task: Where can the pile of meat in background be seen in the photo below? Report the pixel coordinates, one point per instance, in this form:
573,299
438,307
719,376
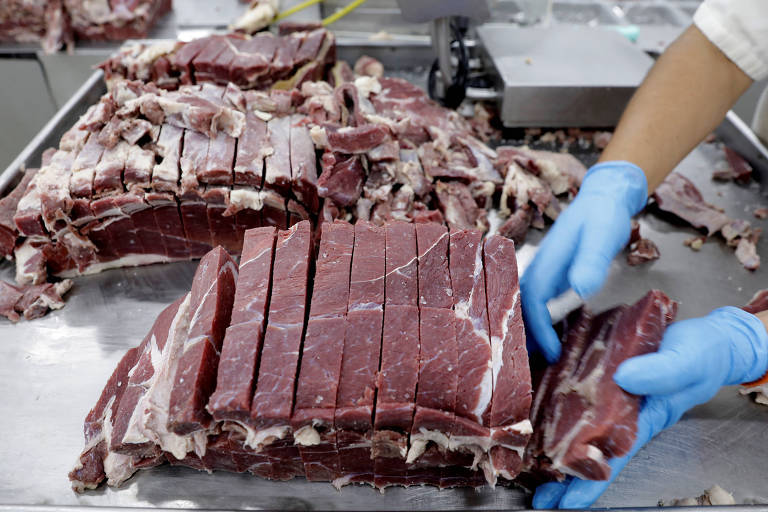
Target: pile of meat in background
59,22
196,142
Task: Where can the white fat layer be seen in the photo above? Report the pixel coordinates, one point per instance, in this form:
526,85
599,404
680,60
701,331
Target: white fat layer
367,85
117,467
132,260
23,254
264,116
420,440
257,17
307,436
487,383
319,136
246,199
497,342
257,439
155,404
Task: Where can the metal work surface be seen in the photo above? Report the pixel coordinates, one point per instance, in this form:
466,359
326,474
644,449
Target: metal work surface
562,76
53,369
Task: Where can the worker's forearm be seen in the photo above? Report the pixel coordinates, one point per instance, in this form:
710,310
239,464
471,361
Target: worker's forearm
684,97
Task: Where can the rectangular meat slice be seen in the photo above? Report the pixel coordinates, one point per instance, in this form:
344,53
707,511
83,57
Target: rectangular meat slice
313,412
252,148
168,220
475,388
273,212
434,277
242,343
109,171
578,431
402,267
303,164
396,384
511,400
165,174
138,168
204,62
254,59
84,167
193,158
273,398
277,172
360,361
433,419
218,168
182,59
212,295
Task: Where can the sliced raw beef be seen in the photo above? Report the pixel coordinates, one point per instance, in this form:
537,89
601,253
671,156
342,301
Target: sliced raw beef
581,417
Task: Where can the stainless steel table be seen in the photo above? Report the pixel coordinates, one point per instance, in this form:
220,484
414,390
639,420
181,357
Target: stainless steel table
52,371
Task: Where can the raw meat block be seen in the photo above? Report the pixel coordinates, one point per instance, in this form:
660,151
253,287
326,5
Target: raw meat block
224,60
678,195
8,205
252,147
331,288
273,398
182,59
285,52
53,185
223,228
402,266
396,384
29,216
578,432
510,426
84,167
244,336
356,140
434,276
310,47
149,233
212,295
277,172
303,164
475,388
118,227
221,157
204,61
341,179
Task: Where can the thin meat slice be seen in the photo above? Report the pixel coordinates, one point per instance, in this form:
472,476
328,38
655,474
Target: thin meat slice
165,174
303,164
168,220
511,402
360,362
313,413
252,148
84,167
138,168
212,295
678,195
244,336
579,432
273,398
434,277
402,264
253,58
278,164
218,168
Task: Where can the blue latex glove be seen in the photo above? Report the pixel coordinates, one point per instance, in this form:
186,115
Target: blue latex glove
696,357
577,251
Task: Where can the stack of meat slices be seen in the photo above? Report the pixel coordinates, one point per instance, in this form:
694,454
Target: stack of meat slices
403,363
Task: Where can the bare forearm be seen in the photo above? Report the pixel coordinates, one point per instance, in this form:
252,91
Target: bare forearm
684,97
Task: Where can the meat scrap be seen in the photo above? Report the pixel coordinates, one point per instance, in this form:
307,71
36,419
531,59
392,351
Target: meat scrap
31,301
738,169
581,418
714,496
641,250
373,385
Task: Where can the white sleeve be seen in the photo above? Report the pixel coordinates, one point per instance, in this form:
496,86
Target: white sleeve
740,29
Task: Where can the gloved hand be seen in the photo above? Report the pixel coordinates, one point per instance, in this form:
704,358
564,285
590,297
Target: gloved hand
696,357
578,249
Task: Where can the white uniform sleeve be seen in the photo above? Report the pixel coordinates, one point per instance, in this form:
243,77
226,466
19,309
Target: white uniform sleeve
740,29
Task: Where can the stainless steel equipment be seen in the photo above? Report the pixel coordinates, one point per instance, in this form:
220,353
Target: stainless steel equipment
562,76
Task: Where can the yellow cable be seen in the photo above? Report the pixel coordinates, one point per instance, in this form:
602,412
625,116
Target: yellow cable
342,12
296,9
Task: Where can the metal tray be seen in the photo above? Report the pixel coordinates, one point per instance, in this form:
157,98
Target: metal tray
53,369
